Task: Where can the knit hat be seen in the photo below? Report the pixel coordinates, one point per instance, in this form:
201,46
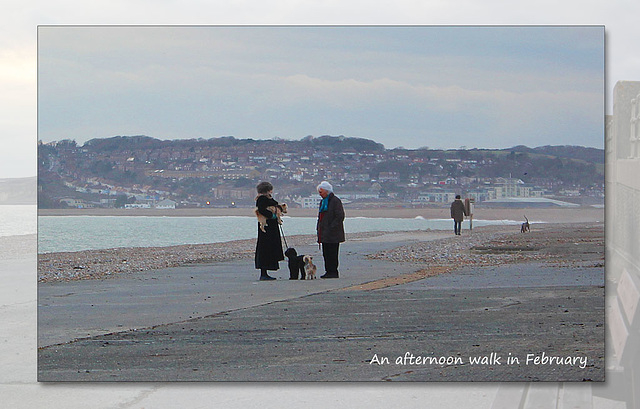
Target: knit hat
326,186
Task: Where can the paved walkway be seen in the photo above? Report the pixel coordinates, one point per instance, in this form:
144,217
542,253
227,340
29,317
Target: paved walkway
218,323
77,309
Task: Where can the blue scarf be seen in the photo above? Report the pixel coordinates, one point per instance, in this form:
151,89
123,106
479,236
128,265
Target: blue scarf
324,204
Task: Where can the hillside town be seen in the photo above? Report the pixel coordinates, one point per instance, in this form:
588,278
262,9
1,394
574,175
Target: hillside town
143,172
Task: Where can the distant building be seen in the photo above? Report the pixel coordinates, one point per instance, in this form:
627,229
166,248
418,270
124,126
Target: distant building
311,202
357,177
479,195
76,203
233,193
570,193
137,206
511,187
359,195
166,204
389,177
145,200
437,196
107,202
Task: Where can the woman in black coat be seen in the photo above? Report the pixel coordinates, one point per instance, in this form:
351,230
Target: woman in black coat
269,246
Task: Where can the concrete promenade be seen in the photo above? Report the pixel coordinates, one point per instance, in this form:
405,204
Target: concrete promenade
216,322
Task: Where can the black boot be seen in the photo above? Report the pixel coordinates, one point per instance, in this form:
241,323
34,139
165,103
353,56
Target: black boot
264,276
330,275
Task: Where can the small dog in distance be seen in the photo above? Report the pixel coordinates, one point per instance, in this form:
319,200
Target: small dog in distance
309,267
525,226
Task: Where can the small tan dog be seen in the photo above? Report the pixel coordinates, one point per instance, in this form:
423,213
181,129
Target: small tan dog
309,267
278,210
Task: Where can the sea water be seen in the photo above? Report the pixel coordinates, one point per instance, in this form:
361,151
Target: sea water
74,233
18,220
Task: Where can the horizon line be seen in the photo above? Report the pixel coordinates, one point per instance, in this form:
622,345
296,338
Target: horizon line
282,139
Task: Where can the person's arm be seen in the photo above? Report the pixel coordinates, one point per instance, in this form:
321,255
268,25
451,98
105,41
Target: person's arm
338,212
262,203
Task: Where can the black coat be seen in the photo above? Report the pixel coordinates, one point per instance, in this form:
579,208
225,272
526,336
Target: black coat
331,227
458,211
269,246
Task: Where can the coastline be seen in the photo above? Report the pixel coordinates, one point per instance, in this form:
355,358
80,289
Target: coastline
493,245
547,215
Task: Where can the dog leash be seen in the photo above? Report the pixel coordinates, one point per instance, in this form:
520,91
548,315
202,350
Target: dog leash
283,237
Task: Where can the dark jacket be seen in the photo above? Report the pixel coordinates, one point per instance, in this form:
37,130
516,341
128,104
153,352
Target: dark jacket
330,226
269,246
457,210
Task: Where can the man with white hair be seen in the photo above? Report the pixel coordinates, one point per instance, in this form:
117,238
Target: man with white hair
330,228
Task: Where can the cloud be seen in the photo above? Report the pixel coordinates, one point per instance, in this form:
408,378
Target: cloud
422,85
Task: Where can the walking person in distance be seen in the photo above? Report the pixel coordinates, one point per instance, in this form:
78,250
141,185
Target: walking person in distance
457,214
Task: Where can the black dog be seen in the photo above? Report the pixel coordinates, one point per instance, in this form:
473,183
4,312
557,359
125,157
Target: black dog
296,264
525,227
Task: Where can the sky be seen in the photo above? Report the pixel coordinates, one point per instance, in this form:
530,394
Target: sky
441,87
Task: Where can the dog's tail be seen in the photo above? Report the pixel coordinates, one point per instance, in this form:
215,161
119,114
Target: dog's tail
525,217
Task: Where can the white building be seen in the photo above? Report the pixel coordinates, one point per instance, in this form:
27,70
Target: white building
511,187
166,204
76,203
311,202
137,206
437,196
359,195
480,195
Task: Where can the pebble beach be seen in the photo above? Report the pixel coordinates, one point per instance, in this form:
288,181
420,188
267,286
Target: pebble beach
107,263
488,245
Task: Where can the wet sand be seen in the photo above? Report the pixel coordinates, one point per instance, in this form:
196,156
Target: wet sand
549,215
